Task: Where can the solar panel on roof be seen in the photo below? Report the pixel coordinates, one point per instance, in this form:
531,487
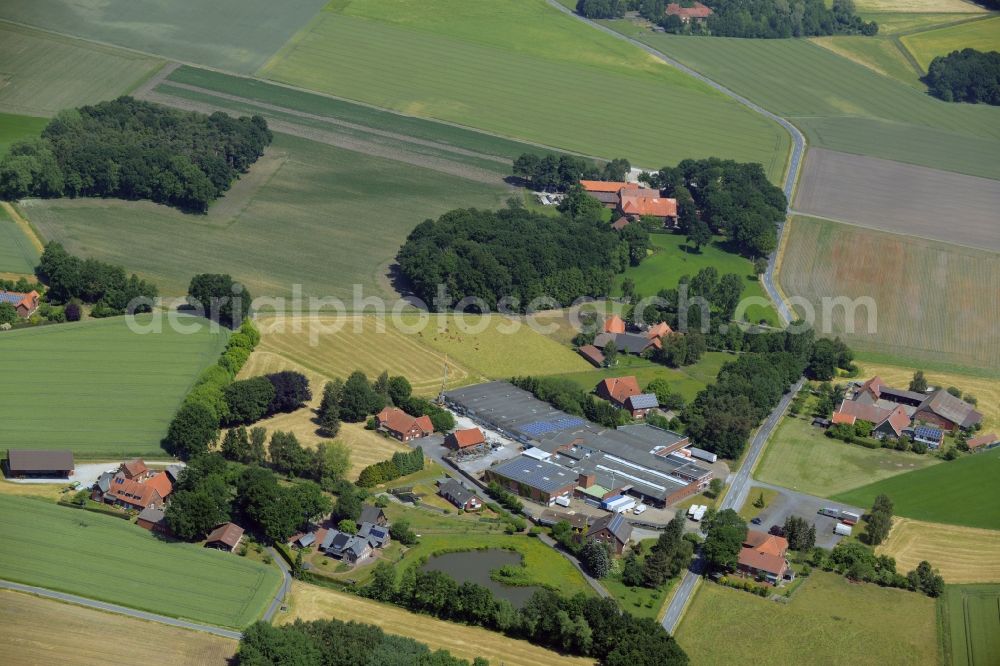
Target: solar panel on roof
13,299
538,428
929,433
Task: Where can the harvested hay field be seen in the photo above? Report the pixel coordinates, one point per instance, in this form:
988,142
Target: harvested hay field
915,6
963,554
44,73
36,630
986,389
309,602
981,35
358,345
935,302
901,198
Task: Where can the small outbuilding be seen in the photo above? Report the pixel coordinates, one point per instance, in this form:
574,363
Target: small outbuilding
36,464
459,495
225,537
465,440
154,520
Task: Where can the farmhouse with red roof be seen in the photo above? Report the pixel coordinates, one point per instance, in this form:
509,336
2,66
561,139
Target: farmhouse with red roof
24,303
402,426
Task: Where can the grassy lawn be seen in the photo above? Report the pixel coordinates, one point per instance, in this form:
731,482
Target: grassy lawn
840,104
981,35
953,326
106,558
828,621
66,633
97,388
18,128
749,510
907,6
880,54
799,456
17,253
227,34
639,601
338,228
970,624
521,69
309,602
961,492
44,73
672,259
963,554
687,380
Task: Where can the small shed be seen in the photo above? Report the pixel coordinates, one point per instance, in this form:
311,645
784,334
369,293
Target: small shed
225,537
30,463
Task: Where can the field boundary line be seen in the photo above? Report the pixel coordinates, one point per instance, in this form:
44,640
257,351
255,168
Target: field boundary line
33,236
908,56
119,610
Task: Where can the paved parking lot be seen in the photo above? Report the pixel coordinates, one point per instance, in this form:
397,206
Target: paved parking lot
790,503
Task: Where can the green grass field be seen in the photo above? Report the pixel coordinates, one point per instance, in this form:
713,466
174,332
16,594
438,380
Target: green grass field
970,618
687,380
961,492
18,128
97,388
842,105
237,35
939,326
307,213
799,456
17,253
106,558
44,73
981,35
672,259
828,621
896,23
879,54
522,69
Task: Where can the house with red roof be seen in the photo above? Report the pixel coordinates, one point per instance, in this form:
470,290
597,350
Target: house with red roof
888,407
465,440
594,355
402,426
135,469
617,390
983,442
138,495
632,201
24,303
697,12
763,556
614,324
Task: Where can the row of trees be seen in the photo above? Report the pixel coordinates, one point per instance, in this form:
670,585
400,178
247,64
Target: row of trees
565,395
195,426
250,400
767,19
336,643
402,463
879,521
512,256
965,76
561,172
358,398
733,198
211,491
581,625
131,149
105,285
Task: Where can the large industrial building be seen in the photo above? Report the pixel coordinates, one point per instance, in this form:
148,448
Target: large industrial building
567,455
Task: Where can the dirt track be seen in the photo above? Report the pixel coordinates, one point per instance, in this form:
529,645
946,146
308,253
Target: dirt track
901,198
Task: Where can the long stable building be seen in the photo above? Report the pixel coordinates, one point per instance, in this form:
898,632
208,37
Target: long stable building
566,454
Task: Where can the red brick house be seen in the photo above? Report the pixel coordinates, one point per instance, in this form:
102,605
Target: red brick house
697,12
611,529
135,469
461,440
983,442
24,303
617,390
402,426
763,556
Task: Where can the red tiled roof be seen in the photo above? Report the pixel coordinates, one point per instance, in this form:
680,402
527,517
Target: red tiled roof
620,223
657,206
983,440
135,467
659,330
697,11
621,388
602,185
227,533
592,354
614,324
842,417
397,420
864,412
132,492
764,552
898,420
468,437
161,483
873,385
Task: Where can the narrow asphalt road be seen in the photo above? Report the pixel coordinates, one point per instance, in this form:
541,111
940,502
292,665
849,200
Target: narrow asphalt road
738,490
798,140
121,610
286,584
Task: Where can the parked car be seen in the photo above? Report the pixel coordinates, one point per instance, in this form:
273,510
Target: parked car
639,509
756,521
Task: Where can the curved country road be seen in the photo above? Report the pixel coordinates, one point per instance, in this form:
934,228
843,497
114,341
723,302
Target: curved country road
798,140
121,610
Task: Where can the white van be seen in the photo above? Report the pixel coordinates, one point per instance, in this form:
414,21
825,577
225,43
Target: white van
639,508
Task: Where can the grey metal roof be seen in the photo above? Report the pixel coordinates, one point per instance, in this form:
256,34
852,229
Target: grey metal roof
357,546
537,474
369,514
643,401
615,523
104,481
152,515
455,492
954,409
31,460
328,539
307,539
